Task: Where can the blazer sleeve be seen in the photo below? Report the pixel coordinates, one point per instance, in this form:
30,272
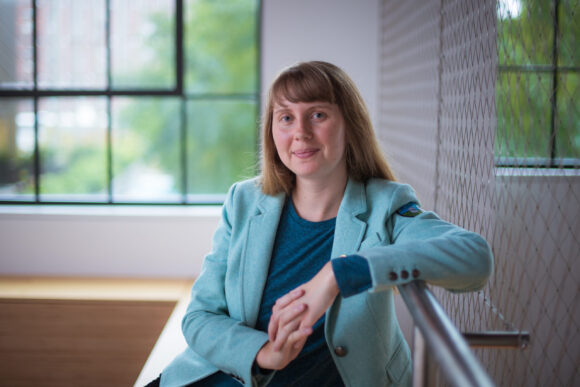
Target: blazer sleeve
228,344
427,248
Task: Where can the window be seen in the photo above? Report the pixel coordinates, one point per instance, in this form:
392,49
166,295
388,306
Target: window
538,85
115,101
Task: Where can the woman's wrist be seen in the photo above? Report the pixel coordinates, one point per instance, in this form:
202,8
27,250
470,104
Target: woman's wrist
330,279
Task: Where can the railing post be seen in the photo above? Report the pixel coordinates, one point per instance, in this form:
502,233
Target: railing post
495,339
445,344
420,360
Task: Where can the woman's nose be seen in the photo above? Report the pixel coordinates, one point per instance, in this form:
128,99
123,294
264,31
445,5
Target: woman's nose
303,129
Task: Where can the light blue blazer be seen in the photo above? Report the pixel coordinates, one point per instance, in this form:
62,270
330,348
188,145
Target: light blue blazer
218,325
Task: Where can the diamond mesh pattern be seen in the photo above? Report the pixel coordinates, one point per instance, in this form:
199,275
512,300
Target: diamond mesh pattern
488,94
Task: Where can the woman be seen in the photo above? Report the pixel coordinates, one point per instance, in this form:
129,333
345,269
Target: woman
297,289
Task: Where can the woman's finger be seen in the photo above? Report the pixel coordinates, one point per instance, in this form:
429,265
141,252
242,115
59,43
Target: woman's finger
273,327
284,322
298,338
288,298
284,332
278,308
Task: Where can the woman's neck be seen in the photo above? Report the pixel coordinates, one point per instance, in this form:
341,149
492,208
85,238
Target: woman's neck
317,202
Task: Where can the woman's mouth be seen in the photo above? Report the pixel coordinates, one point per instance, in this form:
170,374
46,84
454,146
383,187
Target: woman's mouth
304,153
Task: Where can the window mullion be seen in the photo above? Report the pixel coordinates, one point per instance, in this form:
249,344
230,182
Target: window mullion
109,140
553,108
183,149
37,164
179,32
179,79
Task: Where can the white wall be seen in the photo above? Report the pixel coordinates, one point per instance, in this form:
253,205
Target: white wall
105,241
171,242
343,32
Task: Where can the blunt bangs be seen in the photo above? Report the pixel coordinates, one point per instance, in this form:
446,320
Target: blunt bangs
304,84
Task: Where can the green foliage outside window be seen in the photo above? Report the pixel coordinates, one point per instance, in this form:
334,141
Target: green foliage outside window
221,121
164,147
537,104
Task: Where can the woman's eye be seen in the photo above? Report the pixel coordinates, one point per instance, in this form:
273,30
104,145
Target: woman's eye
318,115
285,118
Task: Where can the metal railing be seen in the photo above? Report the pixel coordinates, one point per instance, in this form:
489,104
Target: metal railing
436,336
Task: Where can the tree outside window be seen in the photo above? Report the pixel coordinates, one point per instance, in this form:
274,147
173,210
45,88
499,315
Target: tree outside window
148,101
538,86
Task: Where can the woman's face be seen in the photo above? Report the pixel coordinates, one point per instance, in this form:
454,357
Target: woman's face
310,139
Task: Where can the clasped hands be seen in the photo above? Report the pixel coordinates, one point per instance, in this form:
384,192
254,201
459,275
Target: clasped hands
293,317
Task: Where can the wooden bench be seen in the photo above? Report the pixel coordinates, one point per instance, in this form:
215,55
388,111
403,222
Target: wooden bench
83,331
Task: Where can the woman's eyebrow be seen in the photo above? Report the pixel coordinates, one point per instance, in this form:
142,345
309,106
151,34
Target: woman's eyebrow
279,106
317,105
324,105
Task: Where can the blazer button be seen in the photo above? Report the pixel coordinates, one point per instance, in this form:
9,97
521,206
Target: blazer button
404,274
416,273
340,351
393,276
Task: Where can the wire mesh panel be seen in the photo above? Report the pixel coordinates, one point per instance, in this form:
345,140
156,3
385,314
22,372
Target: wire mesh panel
507,151
537,148
409,81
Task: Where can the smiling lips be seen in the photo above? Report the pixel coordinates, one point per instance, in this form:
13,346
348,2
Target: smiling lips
304,153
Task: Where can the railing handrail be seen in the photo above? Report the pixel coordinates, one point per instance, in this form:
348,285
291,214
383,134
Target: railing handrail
444,342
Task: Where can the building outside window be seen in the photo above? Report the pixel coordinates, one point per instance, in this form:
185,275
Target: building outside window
115,101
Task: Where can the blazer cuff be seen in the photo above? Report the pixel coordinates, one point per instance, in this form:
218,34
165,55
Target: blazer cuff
352,274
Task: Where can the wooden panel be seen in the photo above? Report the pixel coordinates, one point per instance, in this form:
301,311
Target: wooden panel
77,342
81,288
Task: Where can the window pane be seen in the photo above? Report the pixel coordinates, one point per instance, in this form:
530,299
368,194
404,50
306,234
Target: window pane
568,116
525,32
143,44
523,115
569,38
16,149
220,46
221,144
72,135
16,61
71,44
146,149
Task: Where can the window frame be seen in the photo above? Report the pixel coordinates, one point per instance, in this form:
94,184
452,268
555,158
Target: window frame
555,70
35,93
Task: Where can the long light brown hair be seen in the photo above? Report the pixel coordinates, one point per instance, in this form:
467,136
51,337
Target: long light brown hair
322,82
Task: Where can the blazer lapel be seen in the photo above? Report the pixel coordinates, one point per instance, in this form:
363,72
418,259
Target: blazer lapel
350,230
260,239
348,235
